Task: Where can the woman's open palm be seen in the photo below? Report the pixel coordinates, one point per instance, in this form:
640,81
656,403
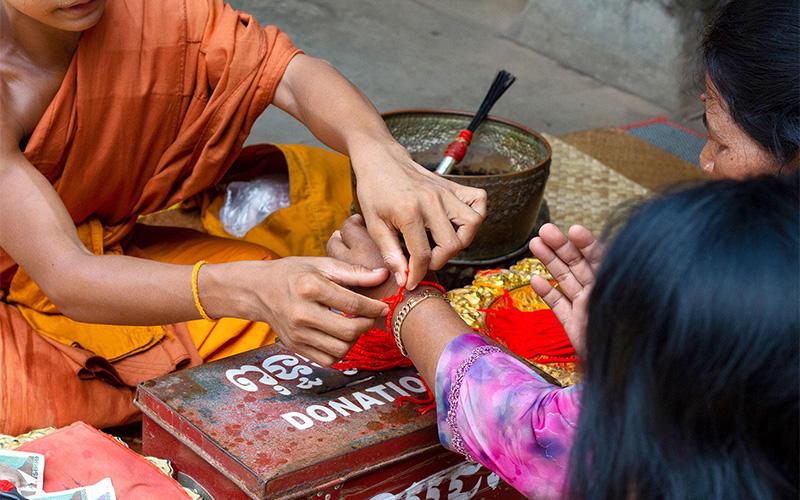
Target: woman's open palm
573,260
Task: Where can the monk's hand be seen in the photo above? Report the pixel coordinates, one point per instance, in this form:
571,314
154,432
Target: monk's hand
312,309
573,260
399,196
352,243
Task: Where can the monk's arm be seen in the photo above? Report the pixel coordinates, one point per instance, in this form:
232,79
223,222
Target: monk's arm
38,233
332,108
396,194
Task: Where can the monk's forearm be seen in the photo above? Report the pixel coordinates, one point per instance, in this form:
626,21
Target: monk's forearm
130,291
38,233
332,108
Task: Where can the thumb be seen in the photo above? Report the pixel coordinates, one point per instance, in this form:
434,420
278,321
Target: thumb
353,275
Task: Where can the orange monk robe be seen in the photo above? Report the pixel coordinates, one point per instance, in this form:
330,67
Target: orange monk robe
153,110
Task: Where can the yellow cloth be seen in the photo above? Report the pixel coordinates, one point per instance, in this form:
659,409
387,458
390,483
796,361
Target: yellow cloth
320,193
112,342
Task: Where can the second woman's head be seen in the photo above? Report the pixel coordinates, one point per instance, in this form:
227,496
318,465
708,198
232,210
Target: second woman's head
752,97
691,370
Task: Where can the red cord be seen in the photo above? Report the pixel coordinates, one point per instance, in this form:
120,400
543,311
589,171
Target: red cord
376,350
535,335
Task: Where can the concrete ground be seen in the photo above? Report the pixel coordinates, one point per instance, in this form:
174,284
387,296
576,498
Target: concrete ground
411,53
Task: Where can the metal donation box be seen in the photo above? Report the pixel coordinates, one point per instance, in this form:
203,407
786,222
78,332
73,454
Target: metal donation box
271,424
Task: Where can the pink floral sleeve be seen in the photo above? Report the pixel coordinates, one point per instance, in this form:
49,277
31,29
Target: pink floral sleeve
495,410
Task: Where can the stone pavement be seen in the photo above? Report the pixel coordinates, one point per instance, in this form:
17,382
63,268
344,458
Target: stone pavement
404,54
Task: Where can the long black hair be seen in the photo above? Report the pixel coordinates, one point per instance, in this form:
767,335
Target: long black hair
752,54
692,371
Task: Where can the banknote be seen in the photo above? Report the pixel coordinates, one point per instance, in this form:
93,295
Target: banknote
24,470
102,490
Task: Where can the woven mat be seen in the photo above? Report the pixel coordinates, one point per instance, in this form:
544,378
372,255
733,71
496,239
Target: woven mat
635,158
582,190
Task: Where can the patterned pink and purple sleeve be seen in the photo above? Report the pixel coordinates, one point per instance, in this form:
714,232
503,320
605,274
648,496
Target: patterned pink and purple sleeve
495,410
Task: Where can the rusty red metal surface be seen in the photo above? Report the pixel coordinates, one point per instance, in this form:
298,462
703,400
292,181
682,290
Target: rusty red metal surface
270,424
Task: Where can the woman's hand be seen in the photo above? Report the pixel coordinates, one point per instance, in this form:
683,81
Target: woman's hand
397,195
573,260
306,300
354,245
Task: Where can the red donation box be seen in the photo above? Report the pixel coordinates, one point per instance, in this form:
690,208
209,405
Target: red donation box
271,424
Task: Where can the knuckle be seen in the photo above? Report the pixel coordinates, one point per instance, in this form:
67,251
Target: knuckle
299,336
452,245
474,218
325,361
308,286
341,351
429,196
354,332
351,305
408,210
424,254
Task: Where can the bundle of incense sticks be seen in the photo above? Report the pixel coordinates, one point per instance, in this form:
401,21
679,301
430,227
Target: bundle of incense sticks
457,149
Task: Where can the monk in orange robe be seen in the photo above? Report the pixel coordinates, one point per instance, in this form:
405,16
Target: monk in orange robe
114,110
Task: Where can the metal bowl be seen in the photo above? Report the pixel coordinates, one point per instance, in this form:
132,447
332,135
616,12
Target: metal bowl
508,160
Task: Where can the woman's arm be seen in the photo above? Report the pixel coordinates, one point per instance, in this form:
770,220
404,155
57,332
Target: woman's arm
490,406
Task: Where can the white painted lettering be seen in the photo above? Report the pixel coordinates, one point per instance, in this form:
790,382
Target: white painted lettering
413,384
343,404
397,389
381,389
365,401
298,420
327,414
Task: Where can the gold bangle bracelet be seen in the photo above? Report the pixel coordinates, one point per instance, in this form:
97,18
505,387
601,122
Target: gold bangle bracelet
413,302
196,291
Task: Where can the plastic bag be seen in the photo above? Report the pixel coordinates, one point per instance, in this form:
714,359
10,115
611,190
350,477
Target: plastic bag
247,204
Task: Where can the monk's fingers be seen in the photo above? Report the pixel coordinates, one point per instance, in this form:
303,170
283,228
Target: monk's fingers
419,249
589,246
339,298
569,285
320,357
388,243
333,323
444,235
466,218
561,306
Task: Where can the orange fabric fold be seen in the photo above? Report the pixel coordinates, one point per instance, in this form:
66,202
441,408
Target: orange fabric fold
320,193
154,109
189,79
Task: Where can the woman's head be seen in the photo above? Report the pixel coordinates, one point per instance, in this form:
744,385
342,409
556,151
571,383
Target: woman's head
691,370
752,97
64,15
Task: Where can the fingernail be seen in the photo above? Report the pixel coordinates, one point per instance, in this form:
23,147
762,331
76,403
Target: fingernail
399,278
379,270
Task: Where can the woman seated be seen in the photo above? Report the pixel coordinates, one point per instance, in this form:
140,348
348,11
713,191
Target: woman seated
688,344
752,95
